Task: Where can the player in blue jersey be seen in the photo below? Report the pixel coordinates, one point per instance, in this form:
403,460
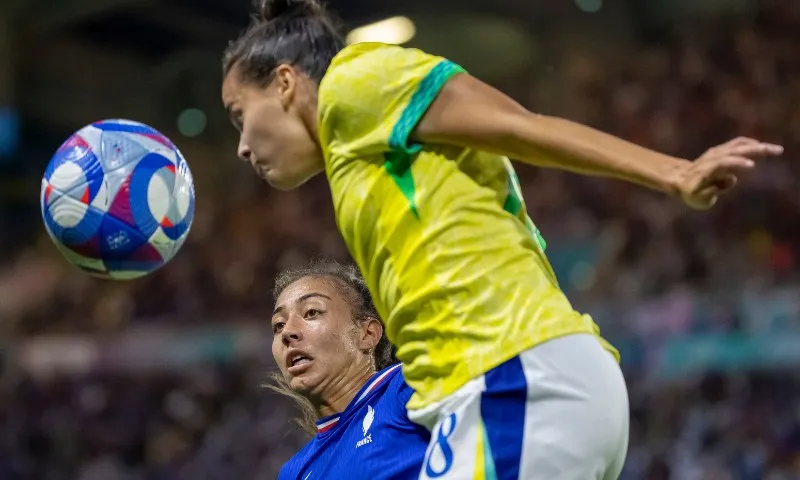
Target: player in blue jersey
337,364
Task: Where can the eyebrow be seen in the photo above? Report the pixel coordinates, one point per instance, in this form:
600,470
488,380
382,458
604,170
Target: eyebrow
302,299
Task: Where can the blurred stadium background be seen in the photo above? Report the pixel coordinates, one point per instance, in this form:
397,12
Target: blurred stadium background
161,378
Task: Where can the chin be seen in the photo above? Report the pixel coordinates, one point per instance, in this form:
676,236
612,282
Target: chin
281,185
284,183
302,384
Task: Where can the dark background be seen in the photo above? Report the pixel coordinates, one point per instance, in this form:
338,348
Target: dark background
161,378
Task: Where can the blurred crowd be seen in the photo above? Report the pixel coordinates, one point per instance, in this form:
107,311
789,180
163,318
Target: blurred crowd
718,427
682,95
639,261
208,423
611,242
218,422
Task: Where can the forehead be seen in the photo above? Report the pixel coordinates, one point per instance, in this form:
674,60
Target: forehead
232,88
308,285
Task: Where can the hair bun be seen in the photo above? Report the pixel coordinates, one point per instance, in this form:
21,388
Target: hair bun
272,9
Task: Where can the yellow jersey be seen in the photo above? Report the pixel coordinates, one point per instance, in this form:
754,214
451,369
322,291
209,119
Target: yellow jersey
456,268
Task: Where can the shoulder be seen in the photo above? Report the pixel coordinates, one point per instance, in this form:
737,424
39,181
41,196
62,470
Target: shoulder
398,395
369,87
368,58
286,472
397,392
351,63
363,52
385,386
298,462
368,68
401,389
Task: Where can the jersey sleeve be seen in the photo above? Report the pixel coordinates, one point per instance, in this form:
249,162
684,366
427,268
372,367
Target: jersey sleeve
284,474
401,395
404,392
298,462
373,96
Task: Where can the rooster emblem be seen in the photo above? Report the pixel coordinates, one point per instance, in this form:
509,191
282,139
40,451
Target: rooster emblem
368,419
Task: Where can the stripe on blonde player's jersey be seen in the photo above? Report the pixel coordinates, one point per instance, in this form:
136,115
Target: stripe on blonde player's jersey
371,438
456,268
327,424
372,386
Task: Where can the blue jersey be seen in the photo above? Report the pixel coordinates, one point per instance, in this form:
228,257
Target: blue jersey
371,439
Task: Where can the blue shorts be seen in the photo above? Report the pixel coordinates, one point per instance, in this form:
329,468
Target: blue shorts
558,411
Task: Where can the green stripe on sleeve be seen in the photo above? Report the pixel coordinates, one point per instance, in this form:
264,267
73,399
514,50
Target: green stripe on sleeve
398,159
426,93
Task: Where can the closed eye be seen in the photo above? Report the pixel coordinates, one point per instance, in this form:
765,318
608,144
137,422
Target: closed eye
235,116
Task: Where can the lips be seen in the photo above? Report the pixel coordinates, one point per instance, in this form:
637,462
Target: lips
297,361
258,169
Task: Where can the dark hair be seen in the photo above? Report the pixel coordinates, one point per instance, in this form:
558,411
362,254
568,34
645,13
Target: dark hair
296,32
351,285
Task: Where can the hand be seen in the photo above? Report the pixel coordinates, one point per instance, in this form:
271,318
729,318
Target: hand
701,182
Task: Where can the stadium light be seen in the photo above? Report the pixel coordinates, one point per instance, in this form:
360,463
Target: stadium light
394,30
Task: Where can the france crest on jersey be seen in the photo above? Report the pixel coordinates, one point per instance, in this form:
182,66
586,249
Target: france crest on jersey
372,439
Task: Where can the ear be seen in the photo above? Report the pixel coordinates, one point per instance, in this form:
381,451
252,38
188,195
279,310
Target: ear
371,333
286,83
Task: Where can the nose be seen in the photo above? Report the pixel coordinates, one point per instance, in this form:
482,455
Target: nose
291,332
244,151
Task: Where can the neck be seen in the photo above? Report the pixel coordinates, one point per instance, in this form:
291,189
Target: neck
342,392
309,93
310,119
308,114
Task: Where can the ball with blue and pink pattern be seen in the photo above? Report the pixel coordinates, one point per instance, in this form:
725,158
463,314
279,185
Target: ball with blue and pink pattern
118,199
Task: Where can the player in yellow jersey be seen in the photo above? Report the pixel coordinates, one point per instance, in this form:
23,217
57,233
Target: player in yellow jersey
511,380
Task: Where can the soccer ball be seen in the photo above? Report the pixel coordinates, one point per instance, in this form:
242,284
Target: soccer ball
118,199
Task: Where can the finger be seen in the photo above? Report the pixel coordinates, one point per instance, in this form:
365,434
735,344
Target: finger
719,169
714,190
727,164
705,199
757,150
773,149
740,144
731,144
725,183
740,141
717,188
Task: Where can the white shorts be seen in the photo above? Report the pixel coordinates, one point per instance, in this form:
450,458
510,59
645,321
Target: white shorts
558,411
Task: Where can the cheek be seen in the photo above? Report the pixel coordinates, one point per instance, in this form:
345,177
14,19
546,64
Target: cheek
342,347
277,353
263,126
256,134
326,341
